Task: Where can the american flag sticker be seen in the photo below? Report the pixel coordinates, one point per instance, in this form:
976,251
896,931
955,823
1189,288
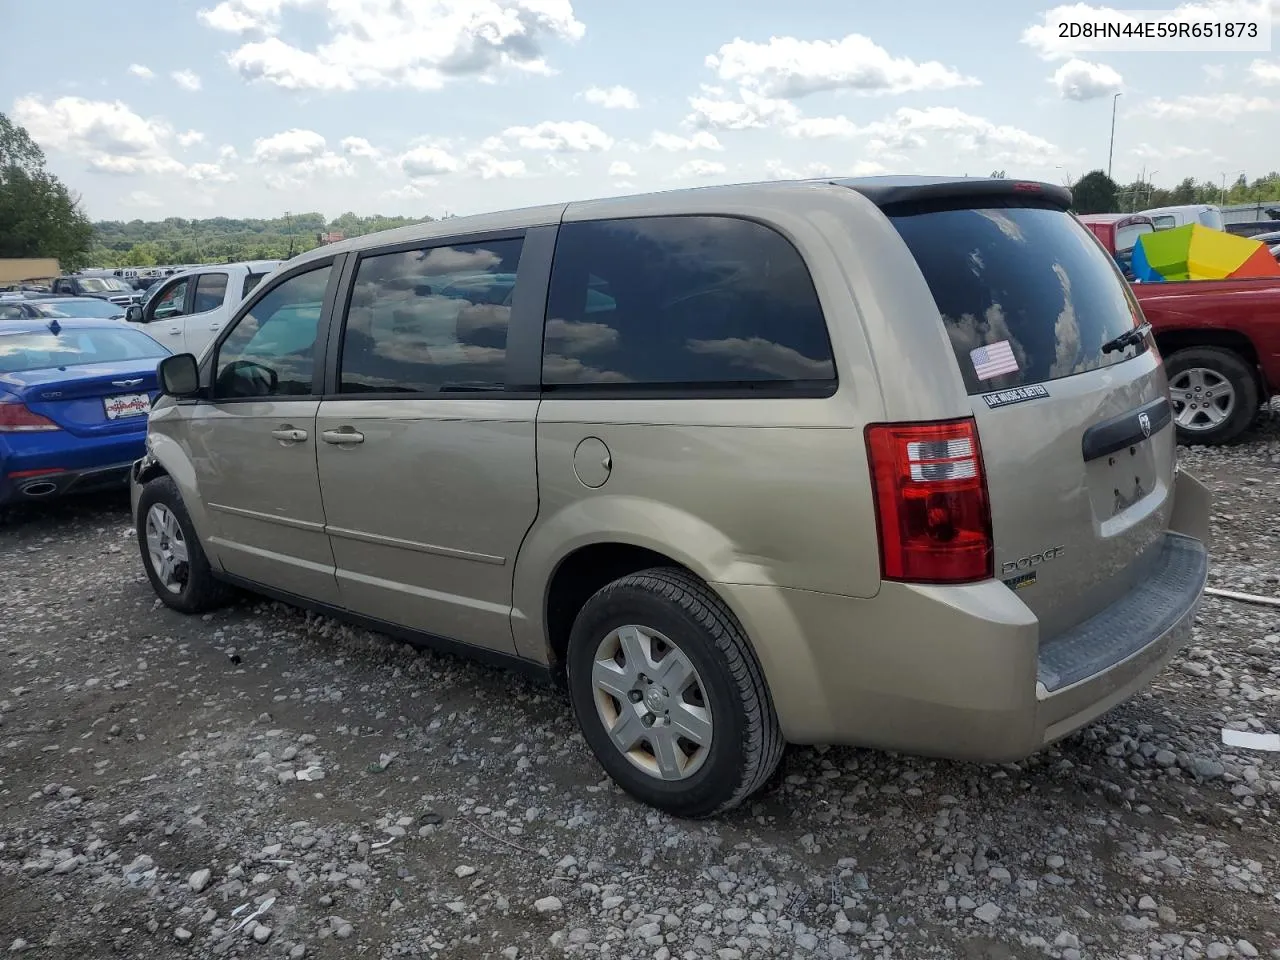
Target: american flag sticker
993,360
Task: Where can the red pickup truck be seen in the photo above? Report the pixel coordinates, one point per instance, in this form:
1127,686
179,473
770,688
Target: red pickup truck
1220,340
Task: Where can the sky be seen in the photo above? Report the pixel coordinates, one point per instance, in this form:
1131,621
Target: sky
251,108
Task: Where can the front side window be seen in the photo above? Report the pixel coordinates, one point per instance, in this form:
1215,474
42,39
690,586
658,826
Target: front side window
1127,236
172,302
682,301
211,290
271,350
430,321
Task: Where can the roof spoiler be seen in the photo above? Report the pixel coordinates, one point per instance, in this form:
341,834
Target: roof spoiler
959,192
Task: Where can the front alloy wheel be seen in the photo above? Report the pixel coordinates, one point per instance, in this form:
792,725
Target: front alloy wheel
167,548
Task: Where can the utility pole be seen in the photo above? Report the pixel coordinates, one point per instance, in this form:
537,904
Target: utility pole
288,219
1112,149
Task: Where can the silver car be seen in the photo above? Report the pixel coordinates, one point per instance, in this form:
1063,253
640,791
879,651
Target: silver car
885,462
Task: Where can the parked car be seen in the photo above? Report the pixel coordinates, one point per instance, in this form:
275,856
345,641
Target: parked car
62,308
1205,214
817,462
1118,233
103,288
189,309
1252,228
74,398
1221,345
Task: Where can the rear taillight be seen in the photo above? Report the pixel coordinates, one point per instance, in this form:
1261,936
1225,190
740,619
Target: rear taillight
931,502
16,418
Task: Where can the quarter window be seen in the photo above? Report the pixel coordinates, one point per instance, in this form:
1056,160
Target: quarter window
681,300
211,290
271,350
431,320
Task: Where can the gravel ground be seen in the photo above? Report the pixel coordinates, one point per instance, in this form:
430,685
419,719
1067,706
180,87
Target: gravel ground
264,783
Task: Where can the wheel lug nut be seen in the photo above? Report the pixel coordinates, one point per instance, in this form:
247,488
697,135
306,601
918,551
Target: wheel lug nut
647,719
635,696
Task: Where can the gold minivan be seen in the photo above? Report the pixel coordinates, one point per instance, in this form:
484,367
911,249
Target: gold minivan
885,462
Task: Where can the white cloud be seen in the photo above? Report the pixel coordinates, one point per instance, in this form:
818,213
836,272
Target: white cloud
242,16
140,198
108,135
788,68
392,43
1215,71
612,98
699,168
290,146
209,173
1264,71
1224,107
1044,37
138,70
1151,152
190,138
360,147
817,128
750,111
673,143
1082,80
427,162
568,136
489,167
910,129
777,170
186,79
227,152
620,168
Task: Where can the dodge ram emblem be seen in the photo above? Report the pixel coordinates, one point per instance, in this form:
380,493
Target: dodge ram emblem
1144,422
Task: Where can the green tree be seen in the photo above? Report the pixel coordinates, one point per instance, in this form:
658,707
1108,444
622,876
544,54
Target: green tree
1095,192
40,216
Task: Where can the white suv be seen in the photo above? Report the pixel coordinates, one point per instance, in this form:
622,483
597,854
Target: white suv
189,309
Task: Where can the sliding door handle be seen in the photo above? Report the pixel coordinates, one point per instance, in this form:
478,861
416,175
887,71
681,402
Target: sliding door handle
344,437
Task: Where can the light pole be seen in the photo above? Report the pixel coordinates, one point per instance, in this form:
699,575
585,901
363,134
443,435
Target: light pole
1112,149
1223,201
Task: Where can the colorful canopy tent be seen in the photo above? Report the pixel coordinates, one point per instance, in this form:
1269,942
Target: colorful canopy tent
1194,252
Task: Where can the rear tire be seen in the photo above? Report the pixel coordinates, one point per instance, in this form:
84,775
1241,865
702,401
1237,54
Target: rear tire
1214,394
175,562
677,662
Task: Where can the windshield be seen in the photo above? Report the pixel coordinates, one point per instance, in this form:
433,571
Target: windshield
1026,294
78,308
42,350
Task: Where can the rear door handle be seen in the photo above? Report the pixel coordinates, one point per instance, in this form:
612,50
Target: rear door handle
289,435
343,437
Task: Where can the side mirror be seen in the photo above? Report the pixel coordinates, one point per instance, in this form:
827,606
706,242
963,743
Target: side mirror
179,375
133,313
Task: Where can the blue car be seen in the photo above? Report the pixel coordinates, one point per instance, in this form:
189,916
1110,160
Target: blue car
74,399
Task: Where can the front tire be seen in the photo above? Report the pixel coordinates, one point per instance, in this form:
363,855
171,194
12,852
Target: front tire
669,695
1214,394
175,562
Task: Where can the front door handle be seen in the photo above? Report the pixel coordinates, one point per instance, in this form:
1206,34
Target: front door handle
175,331
343,437
289,435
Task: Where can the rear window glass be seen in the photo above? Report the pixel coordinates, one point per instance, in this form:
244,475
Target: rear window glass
46,350
1127,236
1026,294
682,302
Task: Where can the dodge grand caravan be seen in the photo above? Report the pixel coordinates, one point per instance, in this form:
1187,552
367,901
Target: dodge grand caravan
885,462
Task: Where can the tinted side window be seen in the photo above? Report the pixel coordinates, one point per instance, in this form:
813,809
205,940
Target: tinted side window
211,290
432,320
271,350
681,300
250,282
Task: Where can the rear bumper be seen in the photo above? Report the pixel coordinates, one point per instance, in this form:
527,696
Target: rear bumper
960,672
38,467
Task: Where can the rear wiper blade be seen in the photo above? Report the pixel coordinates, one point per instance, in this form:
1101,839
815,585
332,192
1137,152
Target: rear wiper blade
1127,339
